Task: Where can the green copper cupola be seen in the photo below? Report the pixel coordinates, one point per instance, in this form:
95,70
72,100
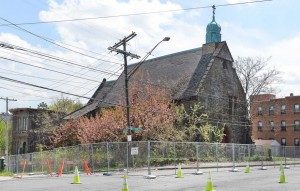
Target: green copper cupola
213,30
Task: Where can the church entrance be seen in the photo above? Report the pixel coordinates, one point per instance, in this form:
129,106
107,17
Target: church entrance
226,138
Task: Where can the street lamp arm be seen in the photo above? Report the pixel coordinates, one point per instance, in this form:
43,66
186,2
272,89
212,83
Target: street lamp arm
145,57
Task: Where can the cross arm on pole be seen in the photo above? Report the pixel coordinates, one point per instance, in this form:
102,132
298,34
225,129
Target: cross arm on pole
123,52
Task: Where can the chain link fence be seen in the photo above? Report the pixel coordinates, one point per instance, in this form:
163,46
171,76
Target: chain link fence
148,156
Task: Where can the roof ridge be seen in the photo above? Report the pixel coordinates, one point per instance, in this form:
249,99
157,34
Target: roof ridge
168,55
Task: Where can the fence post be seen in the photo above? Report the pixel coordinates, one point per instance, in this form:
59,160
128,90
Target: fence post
107,156
127,158
294,156
91,157
42,161
197,155
148,150
78,157
17,157
261,159
284,154
234,169
174,147
107,173
8,163
149,175
249,155
285,164
31,161
217,154
198,172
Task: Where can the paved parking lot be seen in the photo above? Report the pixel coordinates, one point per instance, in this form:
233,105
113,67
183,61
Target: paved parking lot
266,180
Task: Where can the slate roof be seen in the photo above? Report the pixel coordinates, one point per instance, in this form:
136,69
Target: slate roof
181,72
171,71
192,87
93,103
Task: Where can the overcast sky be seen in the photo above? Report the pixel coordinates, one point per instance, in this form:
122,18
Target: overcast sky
269,29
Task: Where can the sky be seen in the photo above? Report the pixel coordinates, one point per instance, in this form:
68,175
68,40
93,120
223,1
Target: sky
268,29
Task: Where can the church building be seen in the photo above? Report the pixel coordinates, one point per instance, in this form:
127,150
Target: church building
204,74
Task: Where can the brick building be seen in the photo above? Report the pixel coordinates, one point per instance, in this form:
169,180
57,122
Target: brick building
276,118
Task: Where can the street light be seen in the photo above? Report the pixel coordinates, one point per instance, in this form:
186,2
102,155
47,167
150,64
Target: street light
134,70
146,56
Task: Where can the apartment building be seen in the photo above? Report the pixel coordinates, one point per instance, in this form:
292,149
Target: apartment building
276,118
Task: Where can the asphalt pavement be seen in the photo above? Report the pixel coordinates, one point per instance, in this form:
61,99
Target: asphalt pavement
224,180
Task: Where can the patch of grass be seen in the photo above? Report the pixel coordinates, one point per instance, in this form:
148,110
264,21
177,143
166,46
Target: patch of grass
6,173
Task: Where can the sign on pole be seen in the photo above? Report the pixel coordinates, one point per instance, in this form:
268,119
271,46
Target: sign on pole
134,151
129,138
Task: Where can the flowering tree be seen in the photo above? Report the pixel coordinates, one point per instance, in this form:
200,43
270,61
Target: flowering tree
150,109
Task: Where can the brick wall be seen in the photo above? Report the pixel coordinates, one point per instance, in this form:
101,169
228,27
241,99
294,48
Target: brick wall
277,115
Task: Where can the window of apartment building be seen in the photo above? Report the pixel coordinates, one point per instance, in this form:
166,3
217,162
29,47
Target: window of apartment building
283,141
297,142
259,126
283,125
283,109
297,108
259,110
271,110
297,125
272,127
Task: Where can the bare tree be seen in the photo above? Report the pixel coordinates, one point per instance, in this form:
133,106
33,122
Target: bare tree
256,76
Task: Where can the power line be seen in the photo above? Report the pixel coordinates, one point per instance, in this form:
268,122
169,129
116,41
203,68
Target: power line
79,85
136,14
11,72
50,89
16,55
61,81
15,91
52,57
48,69
53,42
85,72
98,85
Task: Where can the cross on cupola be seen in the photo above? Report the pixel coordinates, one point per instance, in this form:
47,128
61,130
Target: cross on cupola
213,30
214,11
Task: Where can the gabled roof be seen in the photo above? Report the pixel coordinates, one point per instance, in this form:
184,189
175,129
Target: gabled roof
191,89
95,100
172,71
181,72
101,91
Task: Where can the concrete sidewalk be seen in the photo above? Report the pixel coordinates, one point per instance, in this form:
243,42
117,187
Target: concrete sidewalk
3,178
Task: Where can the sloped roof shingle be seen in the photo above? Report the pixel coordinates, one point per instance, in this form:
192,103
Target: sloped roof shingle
181,72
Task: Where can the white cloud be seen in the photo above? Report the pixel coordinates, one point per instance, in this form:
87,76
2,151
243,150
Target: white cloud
101,33
284,57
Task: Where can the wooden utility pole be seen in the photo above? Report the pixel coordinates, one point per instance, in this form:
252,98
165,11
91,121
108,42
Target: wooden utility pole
125,54
6,125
